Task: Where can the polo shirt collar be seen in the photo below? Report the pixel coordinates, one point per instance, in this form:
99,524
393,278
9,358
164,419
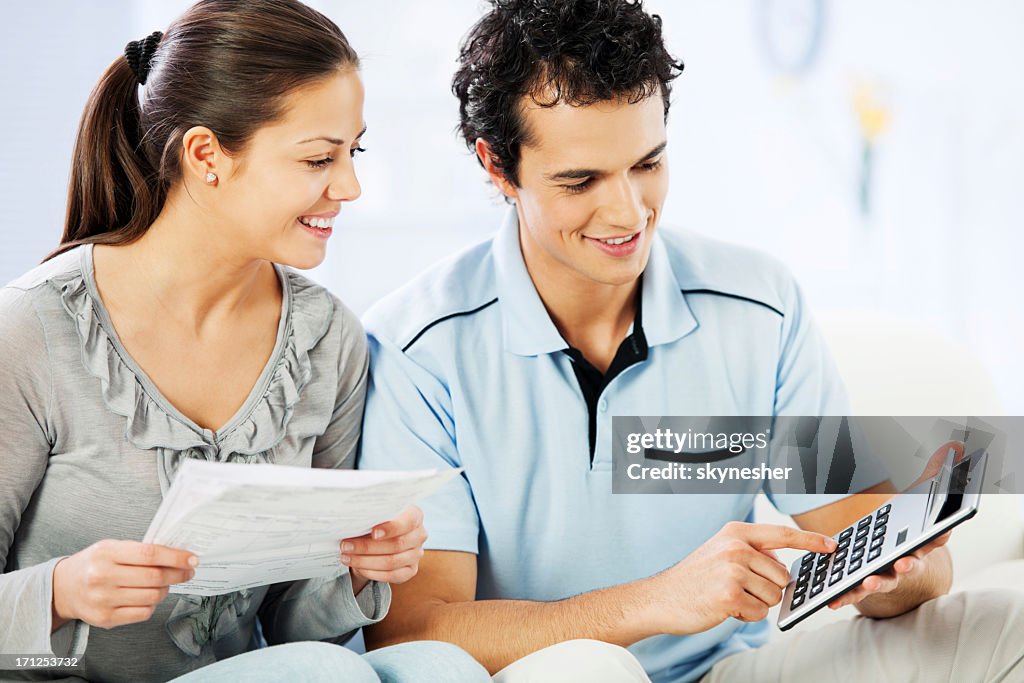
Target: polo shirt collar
667,315
528,330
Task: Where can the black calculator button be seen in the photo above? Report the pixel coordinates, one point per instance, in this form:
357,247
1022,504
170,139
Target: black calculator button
881,519
864,522
875,552
862,532
857,554
859,545
797,601
854,566
807,559
817,588
846,534
836,578
876,544
843,545
879,533
884,510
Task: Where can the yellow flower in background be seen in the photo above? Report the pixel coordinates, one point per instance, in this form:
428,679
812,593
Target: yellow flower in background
874,116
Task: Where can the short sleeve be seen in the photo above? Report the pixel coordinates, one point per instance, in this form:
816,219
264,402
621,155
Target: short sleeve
808,383
409,425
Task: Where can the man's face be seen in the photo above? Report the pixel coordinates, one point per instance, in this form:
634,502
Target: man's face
591,177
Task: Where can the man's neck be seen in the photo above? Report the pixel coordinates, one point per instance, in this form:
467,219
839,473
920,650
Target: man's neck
591,316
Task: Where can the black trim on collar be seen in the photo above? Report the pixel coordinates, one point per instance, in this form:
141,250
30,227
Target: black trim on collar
592,382
733,296
447,317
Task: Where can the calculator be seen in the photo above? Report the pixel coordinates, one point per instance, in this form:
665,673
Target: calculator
898,528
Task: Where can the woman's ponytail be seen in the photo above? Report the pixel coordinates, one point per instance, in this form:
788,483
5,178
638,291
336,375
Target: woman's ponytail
112,195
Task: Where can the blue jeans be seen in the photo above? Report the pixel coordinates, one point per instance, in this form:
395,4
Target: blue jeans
312,662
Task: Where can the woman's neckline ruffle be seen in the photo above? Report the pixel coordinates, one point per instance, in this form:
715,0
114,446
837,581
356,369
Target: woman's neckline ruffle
152,421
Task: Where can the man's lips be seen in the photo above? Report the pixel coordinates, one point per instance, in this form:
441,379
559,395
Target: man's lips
622,245
615,239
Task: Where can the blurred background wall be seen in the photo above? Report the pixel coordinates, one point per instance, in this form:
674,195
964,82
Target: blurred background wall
876,147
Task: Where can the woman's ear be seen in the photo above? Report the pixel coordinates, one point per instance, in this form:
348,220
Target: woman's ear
486,157
203,159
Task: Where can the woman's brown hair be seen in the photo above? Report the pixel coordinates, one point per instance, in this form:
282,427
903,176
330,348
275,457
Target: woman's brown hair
224,64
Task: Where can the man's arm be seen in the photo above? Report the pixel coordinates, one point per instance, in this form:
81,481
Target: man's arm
438,604
926,574
733,574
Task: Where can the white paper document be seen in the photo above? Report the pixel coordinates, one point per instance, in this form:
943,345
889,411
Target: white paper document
253,525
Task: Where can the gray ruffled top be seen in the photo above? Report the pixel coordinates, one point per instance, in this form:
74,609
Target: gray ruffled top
90,446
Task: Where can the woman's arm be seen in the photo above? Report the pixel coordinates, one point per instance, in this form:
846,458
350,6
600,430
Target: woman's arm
26,595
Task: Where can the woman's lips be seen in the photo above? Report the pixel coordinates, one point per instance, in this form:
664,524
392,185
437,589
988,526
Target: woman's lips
322,233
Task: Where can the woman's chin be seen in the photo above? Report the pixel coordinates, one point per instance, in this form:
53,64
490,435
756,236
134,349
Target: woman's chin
302,259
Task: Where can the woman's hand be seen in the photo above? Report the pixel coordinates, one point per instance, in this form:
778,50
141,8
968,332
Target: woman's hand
390,553
112,583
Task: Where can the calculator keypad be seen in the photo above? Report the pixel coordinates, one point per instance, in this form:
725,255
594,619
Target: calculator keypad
820,569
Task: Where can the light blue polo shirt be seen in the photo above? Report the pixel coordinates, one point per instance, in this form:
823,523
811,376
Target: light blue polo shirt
467,370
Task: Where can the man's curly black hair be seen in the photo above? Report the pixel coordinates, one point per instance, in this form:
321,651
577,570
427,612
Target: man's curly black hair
574,51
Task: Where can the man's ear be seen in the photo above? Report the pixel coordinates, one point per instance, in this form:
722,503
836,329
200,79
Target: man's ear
486,157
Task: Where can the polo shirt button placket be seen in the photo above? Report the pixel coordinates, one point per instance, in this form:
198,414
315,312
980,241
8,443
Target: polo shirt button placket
596,462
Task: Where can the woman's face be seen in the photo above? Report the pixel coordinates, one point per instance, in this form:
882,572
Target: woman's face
281,195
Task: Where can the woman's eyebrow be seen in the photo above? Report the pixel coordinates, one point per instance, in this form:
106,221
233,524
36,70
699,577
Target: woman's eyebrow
333,141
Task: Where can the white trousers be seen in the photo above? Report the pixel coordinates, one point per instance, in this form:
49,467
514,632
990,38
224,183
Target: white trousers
971,636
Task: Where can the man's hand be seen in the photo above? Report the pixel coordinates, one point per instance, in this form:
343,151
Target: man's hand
906,569
909,570
733,574
390,553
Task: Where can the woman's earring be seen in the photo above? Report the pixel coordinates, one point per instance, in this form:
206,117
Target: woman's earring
211,177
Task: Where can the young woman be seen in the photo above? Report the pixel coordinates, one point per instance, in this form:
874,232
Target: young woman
164,328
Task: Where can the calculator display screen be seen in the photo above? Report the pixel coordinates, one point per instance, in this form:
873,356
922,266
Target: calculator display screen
958,480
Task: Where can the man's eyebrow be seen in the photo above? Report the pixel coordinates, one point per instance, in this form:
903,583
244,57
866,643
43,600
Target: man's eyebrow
333,141
580,173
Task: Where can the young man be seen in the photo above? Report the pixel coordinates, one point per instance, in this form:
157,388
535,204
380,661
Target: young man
511,359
